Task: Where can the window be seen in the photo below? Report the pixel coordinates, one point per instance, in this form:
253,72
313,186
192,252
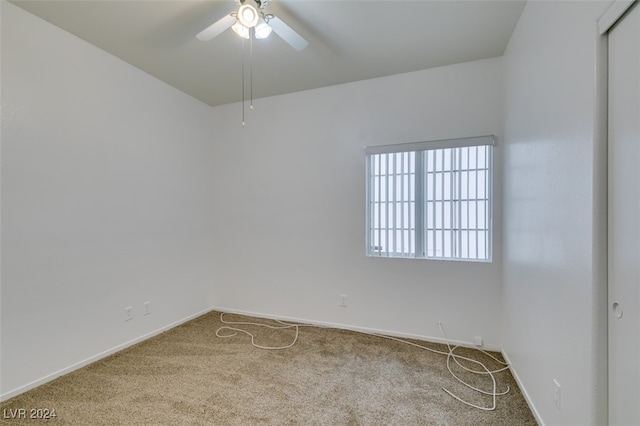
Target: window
430,200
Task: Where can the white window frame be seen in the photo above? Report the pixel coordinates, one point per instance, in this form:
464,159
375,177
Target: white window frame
411,217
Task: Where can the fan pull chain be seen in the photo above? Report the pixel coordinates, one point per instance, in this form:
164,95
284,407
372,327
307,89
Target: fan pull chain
242,80
251,36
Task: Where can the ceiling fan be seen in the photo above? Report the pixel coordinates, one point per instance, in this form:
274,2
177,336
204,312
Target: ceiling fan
251,17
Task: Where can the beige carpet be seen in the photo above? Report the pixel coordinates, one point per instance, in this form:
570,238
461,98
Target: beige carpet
188,376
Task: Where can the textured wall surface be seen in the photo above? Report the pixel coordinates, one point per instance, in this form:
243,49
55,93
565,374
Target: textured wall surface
550,274
291,205
107,201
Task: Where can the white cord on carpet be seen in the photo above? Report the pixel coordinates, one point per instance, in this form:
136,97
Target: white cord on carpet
282,326
450,353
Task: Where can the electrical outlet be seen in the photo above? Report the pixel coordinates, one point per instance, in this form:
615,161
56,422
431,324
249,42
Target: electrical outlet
128,313
556,393
147,308
344,300
479,342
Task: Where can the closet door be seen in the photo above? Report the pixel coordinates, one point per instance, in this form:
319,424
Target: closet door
624,220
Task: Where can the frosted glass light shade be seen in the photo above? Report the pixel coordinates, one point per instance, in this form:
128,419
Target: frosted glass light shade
262,30
248,15
241,30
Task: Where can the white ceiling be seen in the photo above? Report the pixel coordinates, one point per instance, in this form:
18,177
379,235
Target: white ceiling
349,40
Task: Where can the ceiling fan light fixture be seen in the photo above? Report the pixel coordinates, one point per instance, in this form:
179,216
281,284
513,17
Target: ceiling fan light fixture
248,15
262,30
241,30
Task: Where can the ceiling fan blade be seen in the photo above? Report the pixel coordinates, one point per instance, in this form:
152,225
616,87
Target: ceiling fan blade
288,34
216,28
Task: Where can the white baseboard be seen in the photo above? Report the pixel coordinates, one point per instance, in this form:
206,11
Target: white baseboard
523,390
92,359
431,339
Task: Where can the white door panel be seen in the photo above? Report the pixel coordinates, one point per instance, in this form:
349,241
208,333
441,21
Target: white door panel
624,220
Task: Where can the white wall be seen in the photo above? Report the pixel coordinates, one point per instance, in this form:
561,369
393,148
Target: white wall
114,192
290,205
107,201
552,264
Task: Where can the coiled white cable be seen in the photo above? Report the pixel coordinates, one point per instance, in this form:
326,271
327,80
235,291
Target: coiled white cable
450,354
283,325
